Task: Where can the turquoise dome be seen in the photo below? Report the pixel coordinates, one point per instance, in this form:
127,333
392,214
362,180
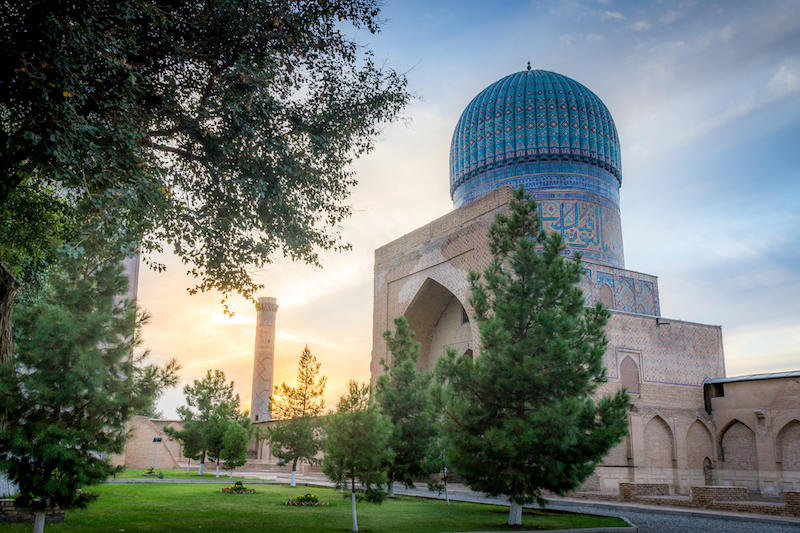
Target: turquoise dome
555,137
530,116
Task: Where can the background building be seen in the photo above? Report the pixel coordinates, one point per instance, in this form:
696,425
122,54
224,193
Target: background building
556,138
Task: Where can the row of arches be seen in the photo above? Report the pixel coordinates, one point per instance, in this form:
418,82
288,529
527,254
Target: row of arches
736,446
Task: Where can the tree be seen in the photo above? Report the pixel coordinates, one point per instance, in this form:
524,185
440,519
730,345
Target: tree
75,381
234,446
402,394
223,128
210,402
356,445
522,418
297,436
163,379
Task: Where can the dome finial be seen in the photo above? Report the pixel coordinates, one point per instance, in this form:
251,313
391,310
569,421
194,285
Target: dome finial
529,65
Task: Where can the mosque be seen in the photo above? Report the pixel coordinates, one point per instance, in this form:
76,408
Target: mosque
689,424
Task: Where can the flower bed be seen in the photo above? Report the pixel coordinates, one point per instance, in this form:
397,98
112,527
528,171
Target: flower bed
306,500
152,473
237,488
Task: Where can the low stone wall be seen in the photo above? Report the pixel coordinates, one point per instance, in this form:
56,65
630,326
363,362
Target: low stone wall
792,499
629,491
9,513
702,496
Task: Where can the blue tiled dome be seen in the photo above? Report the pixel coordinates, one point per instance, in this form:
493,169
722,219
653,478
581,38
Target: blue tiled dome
528,117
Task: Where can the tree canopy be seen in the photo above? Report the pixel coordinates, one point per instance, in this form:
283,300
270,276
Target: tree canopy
297,435
77,378
524,417
402,394
224,128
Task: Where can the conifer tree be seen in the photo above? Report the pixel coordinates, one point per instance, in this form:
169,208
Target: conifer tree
75,381
298,437
356,445
234,446
524,417
402,394
210,402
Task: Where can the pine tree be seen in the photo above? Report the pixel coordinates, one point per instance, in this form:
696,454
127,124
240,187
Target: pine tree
75,381
402,393
210,402
234,446
356,446
523,417
297,436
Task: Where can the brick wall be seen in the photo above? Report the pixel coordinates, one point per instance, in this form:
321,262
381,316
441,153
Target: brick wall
792,499
630,491
789,447
659,446
9,513
698,445
739,448
703,496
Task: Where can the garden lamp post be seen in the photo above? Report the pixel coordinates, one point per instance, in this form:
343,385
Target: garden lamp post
156,440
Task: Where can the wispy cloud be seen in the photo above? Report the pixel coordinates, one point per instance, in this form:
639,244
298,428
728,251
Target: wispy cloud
612,15
640,25
726,33
594,37
671,16
786,80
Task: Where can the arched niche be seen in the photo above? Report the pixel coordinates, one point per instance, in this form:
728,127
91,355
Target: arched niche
787,447
438,319
737,447
659,444
699,445
629,375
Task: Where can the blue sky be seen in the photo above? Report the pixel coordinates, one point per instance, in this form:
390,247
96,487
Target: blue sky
706,100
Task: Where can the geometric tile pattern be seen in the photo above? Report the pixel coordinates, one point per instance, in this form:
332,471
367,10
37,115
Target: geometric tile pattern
263,359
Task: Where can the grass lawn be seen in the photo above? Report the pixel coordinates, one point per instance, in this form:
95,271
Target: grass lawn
209,474
185,507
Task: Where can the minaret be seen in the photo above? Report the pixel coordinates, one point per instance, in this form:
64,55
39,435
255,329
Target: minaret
264,360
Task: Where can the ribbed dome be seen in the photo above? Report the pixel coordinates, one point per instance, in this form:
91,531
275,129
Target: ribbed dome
528,117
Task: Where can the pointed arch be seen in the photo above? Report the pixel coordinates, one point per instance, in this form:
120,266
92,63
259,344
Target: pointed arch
737,447
436,316
699,445
787,447
629,375
659,444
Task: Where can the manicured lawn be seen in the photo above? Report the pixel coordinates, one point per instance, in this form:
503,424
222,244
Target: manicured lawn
210,473
185,507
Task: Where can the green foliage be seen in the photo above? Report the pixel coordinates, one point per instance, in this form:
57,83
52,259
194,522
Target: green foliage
209,414
357,440
74,383
402,394
523,417
234,445
223,128
298,436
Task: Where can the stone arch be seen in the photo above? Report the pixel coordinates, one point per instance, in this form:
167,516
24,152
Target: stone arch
699,445
435,315
787,447
659,444
629,375
737,447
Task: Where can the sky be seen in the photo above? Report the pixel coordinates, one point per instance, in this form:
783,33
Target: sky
706,100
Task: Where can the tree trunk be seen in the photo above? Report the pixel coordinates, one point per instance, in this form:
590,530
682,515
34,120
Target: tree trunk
353,505
38,521
217,467
515,514
231,476
202,466
8,291
293,483
390,489
187,465
446,495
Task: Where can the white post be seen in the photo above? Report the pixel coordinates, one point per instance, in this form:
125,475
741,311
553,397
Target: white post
515,514
353,504
38,521
293,483
217,467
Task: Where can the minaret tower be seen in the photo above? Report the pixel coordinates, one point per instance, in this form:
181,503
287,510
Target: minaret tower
264,360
